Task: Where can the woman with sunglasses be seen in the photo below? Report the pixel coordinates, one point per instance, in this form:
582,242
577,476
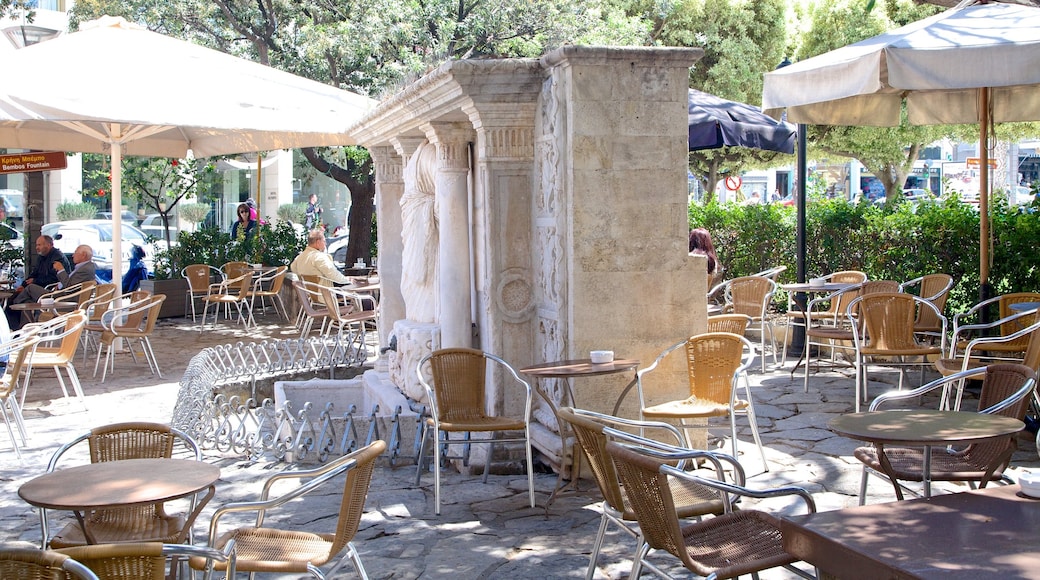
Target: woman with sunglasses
243,228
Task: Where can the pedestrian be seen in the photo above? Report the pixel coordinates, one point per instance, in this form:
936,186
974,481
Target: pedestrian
313,212
244,226
701,245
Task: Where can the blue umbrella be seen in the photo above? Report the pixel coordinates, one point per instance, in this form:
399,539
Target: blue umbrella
716,122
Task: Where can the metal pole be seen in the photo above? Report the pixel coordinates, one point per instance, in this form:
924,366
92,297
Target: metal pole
798,337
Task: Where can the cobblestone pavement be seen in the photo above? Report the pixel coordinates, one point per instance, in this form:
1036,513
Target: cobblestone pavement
485,530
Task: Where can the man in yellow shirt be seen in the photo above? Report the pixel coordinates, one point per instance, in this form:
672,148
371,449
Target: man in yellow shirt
315,261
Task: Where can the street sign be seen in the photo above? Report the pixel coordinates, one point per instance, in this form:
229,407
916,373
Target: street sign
974,162
34,161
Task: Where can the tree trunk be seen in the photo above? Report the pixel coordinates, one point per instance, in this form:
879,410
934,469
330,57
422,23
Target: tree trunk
362,202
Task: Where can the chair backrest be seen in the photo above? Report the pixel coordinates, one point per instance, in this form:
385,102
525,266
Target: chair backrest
234,269
593,441
771,273
66,330
277,279
134,440
935,288
19,351
309,295
1003,384
135,560
355,490
750,295
1005,303
647,490
239,286
846,277
29,564
100,302
199,277
713,360
459,376
731,323
888,319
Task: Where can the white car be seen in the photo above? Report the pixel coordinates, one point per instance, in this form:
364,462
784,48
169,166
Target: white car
152,225
98,235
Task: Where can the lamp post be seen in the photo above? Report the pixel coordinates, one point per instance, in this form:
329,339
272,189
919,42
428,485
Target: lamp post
801,173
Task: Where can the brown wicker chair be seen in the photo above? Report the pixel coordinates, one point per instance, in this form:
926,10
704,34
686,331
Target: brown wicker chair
263,549
59,339
141,560
347,315
752,295
134,321
30,564
230,292
18,350
1006,390
976,354
95,308
834,311
312,306
934,288
199,277
691,500
714,362
115,442
79,293
732,544
269,285
824,329
886,335
731,323
458,404
975,315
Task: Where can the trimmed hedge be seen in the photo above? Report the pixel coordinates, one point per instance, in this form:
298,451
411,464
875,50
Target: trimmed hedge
898,241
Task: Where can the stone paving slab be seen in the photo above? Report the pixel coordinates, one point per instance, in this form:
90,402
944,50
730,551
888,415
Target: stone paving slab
486,531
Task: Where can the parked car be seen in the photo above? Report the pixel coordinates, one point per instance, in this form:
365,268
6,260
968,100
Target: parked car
128,216
910,194
98,235
152,225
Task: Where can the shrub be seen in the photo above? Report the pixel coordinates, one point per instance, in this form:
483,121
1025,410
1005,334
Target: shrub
897,241
68,210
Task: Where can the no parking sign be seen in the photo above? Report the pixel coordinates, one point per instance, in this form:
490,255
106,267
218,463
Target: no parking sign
734,182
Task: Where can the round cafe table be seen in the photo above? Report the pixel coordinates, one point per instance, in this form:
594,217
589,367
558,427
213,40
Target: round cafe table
922,428
570,369
113,484
32,309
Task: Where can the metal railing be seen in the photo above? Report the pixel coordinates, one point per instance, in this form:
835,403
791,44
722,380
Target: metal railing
207,409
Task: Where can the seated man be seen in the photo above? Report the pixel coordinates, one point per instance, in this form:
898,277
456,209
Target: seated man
83,269
41,276
315,261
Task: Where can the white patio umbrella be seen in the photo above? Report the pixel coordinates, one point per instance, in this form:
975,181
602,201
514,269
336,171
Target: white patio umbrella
976,63
117,88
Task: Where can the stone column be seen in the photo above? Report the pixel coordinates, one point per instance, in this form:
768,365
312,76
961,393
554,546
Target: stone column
454,257
389,188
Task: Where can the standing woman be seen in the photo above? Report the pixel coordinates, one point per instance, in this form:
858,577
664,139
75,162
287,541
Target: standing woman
244,226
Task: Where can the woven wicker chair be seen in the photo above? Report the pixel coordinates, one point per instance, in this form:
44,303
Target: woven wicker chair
1006,390
458,404
347,315
731,323
99,303
771,273
59,339
977,315
691,500
263,549
735,543
230,292
835,310
269,285
134,321
79,293
976,353
115,442
886,335
199,277
936,289
233,270
18,351
141,560
30,564
825,329
714,362
311,307
752,295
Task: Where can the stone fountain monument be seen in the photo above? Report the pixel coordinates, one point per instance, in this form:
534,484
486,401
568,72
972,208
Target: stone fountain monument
537,209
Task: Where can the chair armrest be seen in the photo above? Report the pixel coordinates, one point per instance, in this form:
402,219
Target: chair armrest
328,472
982,341
740,490
640,423
931,386
678,454
1014,398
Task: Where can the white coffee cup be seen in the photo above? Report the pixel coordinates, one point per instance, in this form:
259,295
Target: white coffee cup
817,282
47,301
601,356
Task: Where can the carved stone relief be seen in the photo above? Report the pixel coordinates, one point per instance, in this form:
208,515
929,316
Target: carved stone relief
420,234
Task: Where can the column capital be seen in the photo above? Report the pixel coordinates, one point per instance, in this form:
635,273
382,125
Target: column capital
452,141
405,145
388,164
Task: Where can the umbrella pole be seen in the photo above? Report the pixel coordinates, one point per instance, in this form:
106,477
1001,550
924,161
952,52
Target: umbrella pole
985,290
798,337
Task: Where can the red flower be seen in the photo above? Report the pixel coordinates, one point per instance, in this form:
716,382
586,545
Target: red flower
173,162
101,192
